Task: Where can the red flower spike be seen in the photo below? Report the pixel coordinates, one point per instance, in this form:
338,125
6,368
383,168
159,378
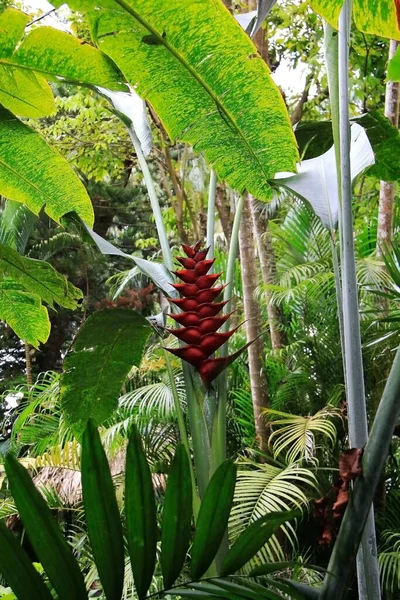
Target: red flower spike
210,309
187,275
209,295
206,281
212,324
187,319
200,256
187,263
192,354
202,267
199,317
186,289
186,304
189,335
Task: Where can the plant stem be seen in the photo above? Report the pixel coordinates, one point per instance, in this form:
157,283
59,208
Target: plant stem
183,433
162,234
212,190
368,570
376,451
219,429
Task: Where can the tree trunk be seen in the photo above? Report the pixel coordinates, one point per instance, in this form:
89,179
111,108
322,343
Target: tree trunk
269,274
258,382
224,212
28,365
387,189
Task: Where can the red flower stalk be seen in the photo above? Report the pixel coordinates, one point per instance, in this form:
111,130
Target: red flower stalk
198,319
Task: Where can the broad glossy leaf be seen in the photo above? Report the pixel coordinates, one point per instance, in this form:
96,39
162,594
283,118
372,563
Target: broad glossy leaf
44,534
177,517
34,174
108,345
54,54
25,94
102,514
39,277
381,17
315,138
140,512
157,272
133,108
12,25
24,313
213,518
17,569
203,76
394,67
316,181
253,539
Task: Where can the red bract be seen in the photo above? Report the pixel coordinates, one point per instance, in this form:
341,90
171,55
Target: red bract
198,318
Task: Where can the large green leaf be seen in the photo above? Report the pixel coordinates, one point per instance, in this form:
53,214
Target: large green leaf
24,313
394,67
177,517
206,81
102,514
381,17
17,569
39,277
54,54
34,174
24,93
315,138
213,518
253,539
44,534
140,512
109,344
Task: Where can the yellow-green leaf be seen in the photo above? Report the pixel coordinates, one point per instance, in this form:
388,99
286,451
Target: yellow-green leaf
380,17
206,81
54,53
25,94
39,278
24,313
12,25
394,67
34,174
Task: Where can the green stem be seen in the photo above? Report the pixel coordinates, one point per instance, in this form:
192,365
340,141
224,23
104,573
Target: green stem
376,452
219,428
211,214
162,234
183,433
337,59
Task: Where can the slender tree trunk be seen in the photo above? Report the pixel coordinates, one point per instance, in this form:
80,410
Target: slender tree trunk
387,189
224,212
28,365
258,382
269,274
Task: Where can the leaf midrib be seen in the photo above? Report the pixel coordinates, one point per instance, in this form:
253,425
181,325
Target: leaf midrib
197,77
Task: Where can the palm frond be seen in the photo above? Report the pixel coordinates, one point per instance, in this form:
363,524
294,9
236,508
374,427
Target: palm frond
295,437
261,489
59,242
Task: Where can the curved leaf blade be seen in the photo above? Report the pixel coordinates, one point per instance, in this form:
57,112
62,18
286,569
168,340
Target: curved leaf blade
25,94
102,514
177,517
12,25
18,570
202,74
253,539
44,534
39,277
213,518
108,345
140,511
24,313
54,53
33,174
